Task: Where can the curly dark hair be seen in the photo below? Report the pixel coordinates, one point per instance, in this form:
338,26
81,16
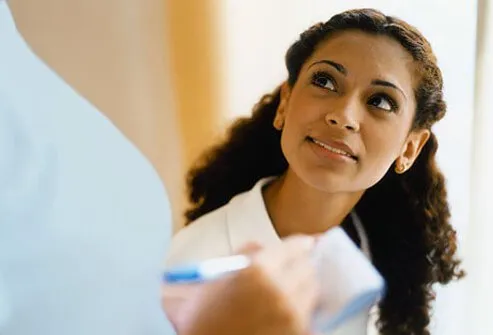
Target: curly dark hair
406,216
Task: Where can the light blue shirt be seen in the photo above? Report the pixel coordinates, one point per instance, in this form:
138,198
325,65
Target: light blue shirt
84,218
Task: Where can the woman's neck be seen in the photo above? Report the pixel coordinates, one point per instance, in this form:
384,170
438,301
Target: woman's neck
296,208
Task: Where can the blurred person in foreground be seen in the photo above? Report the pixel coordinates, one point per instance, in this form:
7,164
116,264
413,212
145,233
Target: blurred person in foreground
85,221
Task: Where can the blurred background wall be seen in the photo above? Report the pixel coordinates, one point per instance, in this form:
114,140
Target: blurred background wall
125,56
171,74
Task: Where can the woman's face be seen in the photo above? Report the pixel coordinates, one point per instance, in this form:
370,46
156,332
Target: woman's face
348,116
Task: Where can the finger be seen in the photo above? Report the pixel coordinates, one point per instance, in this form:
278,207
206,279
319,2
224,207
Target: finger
305,299
249,248
281,255
299,285
296,275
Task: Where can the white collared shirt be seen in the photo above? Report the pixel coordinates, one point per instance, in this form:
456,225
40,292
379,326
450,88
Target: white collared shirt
244,219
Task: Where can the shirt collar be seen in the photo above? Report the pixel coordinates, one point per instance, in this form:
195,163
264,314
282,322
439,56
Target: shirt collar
248,221
247,218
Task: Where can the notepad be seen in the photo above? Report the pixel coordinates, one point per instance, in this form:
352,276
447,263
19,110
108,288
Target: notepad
350,284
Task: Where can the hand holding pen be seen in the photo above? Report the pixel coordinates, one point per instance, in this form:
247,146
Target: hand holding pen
265,291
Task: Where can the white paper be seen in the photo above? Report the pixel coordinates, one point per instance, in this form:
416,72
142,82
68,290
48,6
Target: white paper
350,284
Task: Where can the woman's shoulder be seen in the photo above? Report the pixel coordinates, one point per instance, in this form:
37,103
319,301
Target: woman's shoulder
203,238
222,231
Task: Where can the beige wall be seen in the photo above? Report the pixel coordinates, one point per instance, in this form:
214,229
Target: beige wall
114,52
195,52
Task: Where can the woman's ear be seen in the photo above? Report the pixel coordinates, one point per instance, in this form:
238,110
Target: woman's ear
411,149
285,92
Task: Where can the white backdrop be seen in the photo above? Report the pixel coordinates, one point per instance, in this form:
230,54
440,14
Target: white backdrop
256,35
478,247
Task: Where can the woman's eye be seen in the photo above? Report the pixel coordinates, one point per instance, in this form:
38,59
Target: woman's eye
324,80
383,102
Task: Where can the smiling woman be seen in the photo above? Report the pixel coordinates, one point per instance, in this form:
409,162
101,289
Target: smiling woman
349,132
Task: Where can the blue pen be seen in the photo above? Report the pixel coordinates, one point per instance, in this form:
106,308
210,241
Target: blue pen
206,270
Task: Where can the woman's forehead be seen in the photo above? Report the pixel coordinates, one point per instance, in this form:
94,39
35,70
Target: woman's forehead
363,53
